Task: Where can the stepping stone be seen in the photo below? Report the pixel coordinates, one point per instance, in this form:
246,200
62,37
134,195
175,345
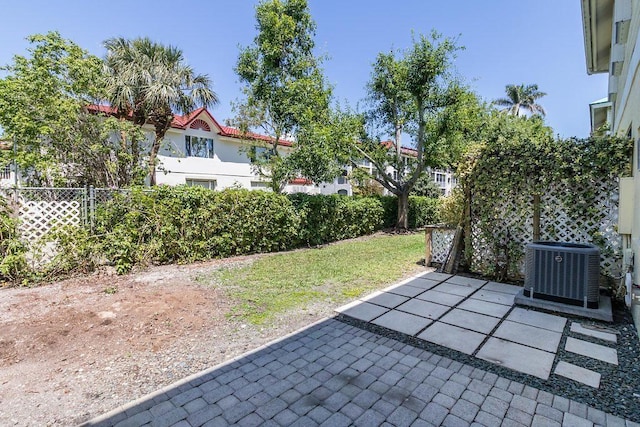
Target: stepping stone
439,277
538,319
594,351
449,336
423,283
469,320
441,298
402,322
502,287
531,336
387,299
466,281
363,311
594,332
484,307
577,373
406,290
495,297
517,357
455,289
423,308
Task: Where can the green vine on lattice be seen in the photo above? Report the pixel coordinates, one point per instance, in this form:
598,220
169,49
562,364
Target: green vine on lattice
515,157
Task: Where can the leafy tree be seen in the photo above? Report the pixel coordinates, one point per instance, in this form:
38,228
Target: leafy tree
522,97
42,108
425,186
285,92
149,82
413,91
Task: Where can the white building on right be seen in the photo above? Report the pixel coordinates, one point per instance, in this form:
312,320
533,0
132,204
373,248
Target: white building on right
611,40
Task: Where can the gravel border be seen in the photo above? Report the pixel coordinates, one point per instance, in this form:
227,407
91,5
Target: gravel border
619,392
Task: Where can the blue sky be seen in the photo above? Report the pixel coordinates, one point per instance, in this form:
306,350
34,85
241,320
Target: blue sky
505,41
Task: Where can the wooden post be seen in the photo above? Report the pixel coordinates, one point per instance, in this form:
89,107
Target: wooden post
427,245
536,217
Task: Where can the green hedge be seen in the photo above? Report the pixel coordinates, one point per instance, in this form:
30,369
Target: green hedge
422,211
327,218
186,224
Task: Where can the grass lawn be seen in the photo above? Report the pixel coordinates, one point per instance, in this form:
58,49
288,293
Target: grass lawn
333,274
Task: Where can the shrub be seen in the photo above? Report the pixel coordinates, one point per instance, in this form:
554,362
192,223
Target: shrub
422,211
13,267
186,224
327,218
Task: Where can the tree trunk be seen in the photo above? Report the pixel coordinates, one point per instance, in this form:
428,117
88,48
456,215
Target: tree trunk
153,155
403,211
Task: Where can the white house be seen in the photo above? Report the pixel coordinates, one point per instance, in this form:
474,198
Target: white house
198,150
611,39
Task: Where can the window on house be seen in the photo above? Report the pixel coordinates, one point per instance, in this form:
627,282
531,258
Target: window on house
206,183
342,179
260,185
440,178
260,154
198,147
343,192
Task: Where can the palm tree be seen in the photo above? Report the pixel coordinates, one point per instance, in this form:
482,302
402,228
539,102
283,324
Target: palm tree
149,82
521,96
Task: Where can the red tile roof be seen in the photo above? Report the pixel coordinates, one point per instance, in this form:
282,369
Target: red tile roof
301,181
403,150
183,122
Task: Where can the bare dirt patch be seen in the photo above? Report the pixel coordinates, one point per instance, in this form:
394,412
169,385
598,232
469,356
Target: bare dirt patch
74,349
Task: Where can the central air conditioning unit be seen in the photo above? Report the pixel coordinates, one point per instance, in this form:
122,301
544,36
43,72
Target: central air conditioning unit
563,272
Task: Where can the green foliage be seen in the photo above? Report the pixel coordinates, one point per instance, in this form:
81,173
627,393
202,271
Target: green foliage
285,90
522,97
425,186
334,217
13,267
517,157
414,91
42,108
452,208
151,81
186,224
422,211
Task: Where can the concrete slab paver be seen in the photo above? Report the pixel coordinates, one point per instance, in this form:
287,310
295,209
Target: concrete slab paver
441,297
578,373
406,323
387,299
592,332
453,337
466,281
423,308
469,320
517,357
595,351
451,288
529,335
365,311
483,307
436,276
502,287
406,290
494,297
538,319
423,283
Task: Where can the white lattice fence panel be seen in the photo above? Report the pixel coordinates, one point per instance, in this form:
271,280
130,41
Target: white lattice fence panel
39,218
508,228
441,241
510,225
597,227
